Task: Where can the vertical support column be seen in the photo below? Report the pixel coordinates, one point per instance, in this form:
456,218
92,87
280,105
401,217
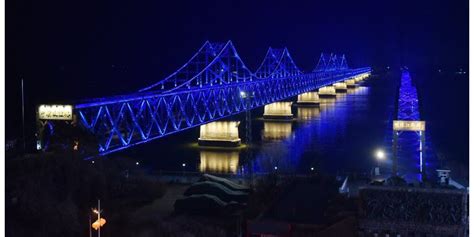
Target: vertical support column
39,132
394,154
422,152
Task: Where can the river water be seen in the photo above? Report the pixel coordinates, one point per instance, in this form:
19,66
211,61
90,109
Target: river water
338,137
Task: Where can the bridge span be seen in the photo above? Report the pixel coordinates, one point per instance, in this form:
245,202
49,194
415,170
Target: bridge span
214,84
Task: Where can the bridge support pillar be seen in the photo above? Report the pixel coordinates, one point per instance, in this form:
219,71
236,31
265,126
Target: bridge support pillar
327,91
220,133
309,98
362,77
278,110
340,87
350,83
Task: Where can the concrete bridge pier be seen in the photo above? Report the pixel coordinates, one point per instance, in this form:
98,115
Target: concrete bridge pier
278,111
351,83
340,87
362,77
308,99
327,92
220,133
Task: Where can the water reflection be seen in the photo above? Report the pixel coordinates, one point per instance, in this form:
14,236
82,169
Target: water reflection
308,113
327,103
219,161
276,130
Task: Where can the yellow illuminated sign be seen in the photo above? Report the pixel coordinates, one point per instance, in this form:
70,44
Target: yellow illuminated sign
55,112
404,125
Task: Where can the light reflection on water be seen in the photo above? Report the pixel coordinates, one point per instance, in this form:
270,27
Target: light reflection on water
340,135
276,130
219,161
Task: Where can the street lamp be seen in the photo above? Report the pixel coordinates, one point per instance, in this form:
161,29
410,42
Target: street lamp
380,156
99,222
184,166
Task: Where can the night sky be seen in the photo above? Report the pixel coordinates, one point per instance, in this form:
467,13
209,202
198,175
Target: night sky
76,49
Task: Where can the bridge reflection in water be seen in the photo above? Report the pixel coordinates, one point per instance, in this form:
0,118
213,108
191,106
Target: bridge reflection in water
276,130
219,161
308,113
282,144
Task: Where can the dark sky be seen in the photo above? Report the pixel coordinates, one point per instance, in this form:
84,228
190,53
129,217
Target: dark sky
76,49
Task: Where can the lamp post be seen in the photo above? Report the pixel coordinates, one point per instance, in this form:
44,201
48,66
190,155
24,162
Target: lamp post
100,221
184,167
379,156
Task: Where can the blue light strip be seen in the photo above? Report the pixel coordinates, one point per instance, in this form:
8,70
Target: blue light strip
207,88
408,99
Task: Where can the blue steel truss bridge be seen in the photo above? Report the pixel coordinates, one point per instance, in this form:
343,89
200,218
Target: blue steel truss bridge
214,84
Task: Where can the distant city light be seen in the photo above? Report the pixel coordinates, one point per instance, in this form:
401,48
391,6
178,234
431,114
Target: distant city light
93,162
137,163
275,168
312,168
184,165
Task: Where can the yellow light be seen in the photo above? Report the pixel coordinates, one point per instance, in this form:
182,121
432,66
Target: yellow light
278,108
308,97
220,130
327,90
340,86
98,223
276,131
55,112
219,161
350,82
404,125
308,113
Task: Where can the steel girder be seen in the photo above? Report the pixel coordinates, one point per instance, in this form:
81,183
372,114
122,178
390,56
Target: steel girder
120,122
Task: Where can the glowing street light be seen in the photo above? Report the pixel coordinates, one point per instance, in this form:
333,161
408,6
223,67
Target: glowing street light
99,222
380,156
184,167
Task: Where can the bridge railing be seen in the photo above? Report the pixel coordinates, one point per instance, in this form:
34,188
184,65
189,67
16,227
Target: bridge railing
124,121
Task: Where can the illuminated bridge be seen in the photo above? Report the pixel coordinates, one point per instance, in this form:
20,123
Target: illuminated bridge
213,84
